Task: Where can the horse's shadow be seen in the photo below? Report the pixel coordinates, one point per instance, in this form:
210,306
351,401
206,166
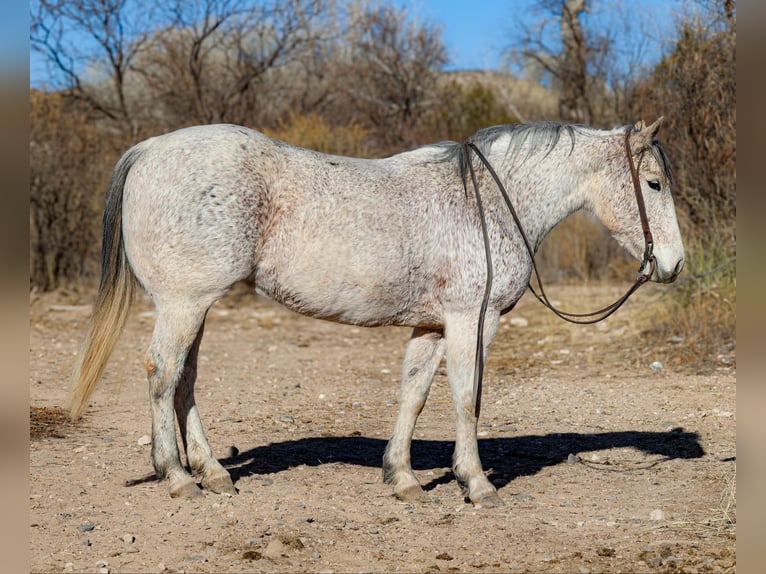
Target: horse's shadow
508,458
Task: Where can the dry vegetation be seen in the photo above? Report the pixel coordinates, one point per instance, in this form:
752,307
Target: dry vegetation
365,79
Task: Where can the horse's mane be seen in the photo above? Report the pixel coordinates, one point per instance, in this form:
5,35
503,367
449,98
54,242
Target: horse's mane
533,138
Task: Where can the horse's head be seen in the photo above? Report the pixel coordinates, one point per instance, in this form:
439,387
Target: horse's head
617,206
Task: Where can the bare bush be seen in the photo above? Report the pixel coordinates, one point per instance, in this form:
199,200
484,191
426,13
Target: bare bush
58,31
392,71
580,249
70,165
313,132
217,60
695,87
464,108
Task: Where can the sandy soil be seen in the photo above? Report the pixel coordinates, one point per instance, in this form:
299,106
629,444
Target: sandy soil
604,463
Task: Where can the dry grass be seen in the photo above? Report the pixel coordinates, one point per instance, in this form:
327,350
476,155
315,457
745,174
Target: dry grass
312,131
580,250
725,516
698,314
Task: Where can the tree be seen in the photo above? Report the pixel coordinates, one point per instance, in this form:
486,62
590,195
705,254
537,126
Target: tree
594,66
392,70
89,46
216,59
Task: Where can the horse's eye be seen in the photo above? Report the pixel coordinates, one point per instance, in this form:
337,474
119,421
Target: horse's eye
654,184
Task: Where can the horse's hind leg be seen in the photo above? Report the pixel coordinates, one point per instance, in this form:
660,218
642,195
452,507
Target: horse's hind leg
175,332
424,353
198,452
461,353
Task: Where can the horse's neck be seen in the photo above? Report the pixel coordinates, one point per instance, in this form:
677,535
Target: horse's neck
542,193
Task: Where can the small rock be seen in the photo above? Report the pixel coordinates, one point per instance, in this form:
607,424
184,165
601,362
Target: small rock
572,458
522,496
444,556
519,322
316,555
87,527
145,440
231,451
81,449
102,564
287,418
196,558
275,549
656,366
128,538
657,515
606,551
69,567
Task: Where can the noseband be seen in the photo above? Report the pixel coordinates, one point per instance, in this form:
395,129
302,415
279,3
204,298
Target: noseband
649,261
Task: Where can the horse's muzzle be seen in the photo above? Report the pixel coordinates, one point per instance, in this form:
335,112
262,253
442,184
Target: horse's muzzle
668,277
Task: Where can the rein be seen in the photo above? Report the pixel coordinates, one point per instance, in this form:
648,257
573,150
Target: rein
578,318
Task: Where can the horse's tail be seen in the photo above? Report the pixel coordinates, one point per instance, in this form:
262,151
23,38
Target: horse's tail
115,293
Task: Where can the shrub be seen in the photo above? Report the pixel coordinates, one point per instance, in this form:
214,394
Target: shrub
313,132
69,169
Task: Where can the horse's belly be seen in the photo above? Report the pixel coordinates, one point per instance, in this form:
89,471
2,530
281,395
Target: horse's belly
355,298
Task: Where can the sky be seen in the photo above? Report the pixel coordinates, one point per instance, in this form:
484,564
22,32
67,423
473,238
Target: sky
476,32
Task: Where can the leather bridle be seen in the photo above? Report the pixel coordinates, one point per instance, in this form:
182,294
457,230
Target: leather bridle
649,261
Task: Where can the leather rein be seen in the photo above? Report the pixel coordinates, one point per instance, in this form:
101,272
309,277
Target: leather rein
578,318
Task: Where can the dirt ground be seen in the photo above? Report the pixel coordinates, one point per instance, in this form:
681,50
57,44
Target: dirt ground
605,464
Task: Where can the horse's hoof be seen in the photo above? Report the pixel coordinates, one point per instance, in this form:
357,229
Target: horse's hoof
491,500
412,493
186,490
220,485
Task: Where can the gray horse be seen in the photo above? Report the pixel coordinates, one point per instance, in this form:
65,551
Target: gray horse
393,241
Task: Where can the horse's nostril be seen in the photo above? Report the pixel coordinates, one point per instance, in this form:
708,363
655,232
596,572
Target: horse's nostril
679,267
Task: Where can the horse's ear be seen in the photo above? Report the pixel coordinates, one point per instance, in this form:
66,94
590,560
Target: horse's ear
643,136
655,127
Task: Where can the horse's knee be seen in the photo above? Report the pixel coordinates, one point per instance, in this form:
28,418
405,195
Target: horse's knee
151,368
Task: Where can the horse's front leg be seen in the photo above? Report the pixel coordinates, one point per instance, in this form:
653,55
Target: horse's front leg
424,353
198,452
460,330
